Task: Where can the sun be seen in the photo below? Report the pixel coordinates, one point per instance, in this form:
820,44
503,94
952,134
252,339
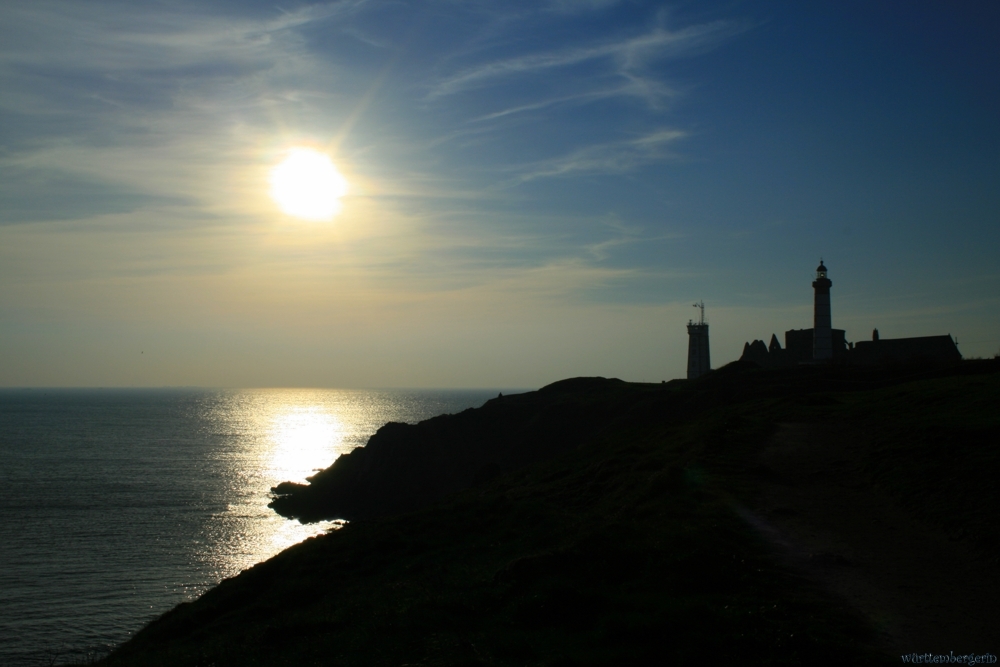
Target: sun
307,185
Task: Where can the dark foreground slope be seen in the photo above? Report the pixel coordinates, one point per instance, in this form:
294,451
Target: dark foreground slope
611,523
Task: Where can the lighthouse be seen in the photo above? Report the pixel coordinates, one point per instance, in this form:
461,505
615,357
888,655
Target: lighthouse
822,334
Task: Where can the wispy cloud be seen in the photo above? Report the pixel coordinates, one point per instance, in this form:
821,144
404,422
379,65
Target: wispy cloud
636,87
627,55
534,106
141,104
579,6
613,157
116,38
170,109
624,234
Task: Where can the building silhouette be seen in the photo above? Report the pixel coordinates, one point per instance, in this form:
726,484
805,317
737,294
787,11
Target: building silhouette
824,344
699,362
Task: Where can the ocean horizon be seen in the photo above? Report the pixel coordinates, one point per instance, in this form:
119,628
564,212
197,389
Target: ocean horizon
116,504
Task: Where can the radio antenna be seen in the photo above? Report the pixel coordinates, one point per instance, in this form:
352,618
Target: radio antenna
701,305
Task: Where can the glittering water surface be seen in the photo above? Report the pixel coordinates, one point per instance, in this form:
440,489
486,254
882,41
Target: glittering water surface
116,505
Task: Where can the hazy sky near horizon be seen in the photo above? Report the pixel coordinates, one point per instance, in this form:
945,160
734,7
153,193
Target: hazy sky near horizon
537,189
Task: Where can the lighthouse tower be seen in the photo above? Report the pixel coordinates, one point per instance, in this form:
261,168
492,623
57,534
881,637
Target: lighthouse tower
698,360
822,335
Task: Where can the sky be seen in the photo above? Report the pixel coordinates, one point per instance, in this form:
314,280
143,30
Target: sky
535,190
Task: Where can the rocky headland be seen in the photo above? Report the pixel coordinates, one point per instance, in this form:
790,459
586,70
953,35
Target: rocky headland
781,517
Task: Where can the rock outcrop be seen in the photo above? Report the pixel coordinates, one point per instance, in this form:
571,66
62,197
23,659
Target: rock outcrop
405,467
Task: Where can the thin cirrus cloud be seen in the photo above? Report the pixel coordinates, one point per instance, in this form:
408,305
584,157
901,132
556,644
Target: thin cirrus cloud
111,40
173,90
135,59
133,135
613,157
635,86
111,108
140,78
627,56
556,85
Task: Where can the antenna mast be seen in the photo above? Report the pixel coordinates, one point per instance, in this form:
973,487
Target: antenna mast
701,305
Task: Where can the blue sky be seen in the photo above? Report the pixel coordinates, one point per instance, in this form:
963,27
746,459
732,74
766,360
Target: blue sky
538,190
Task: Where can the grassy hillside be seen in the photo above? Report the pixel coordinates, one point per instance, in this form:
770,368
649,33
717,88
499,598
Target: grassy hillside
613,530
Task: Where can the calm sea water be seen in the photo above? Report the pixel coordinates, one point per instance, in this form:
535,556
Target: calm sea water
116,505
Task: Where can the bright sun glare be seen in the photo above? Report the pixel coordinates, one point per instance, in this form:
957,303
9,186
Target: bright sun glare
307,185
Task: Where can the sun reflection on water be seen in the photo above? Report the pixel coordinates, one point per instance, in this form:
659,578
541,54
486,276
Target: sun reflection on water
263,437
268,437
303,437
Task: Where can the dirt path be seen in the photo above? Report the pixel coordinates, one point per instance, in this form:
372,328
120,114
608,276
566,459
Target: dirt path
922,590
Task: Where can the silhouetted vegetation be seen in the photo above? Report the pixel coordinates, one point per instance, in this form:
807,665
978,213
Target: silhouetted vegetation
592,522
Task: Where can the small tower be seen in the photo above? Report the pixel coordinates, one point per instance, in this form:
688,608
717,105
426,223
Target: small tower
698,359
822,334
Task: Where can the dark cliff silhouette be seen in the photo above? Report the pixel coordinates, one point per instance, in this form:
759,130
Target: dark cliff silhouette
405,467
700,521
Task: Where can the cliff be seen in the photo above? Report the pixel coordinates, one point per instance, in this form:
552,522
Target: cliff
405,467
780,517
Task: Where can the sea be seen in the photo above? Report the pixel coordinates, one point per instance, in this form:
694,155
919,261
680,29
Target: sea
118,504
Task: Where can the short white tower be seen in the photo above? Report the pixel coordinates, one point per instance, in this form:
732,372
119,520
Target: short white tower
698,358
